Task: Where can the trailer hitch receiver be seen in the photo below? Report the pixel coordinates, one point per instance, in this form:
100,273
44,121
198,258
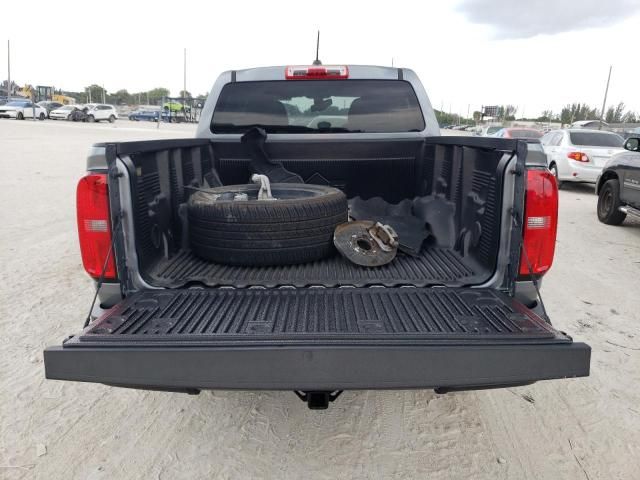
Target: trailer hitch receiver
318,400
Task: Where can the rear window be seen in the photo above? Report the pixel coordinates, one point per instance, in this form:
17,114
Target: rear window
492,130
596,139
318,106
524,133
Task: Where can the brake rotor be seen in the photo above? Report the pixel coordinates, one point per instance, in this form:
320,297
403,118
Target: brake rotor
366,243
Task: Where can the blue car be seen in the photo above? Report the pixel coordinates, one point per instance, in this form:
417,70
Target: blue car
149,115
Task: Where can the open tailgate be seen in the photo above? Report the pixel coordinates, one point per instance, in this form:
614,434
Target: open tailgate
317,339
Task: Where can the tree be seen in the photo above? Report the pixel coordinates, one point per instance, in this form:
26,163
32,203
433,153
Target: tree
14,87
93,93
578,111
507,112
547,116
615,114
631,117
121,97
156,95
185,94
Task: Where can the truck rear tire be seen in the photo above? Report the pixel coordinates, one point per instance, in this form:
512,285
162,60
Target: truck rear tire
296,227
609,204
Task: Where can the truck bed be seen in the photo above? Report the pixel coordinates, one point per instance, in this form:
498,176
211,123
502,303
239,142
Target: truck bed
463,178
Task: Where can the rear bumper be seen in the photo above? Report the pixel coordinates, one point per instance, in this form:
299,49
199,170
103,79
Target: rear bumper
581,173
318,368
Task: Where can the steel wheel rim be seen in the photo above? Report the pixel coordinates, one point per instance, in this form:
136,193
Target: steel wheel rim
607,203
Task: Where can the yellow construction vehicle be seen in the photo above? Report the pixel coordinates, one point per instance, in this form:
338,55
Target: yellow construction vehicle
41,93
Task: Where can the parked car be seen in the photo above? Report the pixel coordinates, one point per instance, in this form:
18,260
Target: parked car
256,318
578,155
49,106
144,114
79,114
64,112
488,130
592,124
98,111
21,109
633,132
618,187
516,132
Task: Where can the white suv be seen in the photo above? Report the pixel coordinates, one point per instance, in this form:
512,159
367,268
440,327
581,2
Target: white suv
98,111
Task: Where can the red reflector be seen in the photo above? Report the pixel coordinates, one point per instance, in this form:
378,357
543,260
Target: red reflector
578,156
94,228
316,72
541,222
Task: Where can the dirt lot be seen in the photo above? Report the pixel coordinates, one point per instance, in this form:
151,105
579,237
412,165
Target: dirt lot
582,428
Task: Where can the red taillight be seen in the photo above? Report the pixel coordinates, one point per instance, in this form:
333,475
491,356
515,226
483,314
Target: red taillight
317,72
578,156
540,222
94,227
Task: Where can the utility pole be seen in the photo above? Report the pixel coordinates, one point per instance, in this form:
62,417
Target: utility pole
103,94
604,102
9,70
184,85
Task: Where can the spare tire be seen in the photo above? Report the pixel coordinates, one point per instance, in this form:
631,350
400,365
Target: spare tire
296,227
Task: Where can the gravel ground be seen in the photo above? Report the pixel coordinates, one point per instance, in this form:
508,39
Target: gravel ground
580,428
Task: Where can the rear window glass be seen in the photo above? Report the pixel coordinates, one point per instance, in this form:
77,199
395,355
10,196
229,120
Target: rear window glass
523,133
596,139
492,130
318,106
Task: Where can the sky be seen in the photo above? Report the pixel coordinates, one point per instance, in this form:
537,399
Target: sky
535,54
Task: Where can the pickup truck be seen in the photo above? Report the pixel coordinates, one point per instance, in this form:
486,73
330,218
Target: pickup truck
618,186
464,313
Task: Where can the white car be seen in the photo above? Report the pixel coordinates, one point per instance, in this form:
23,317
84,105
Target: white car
21,109
487,130
99,111
64,112
578,155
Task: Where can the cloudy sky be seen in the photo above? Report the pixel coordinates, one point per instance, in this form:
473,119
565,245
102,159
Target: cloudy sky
536,54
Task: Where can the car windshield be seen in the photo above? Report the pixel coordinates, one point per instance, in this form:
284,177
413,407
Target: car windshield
318,106
492,130
525,133
17,104
596,139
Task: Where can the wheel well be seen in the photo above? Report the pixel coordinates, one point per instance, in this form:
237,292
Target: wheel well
605,177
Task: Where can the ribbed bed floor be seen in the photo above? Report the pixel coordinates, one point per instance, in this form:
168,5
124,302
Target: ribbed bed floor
434,266
308,314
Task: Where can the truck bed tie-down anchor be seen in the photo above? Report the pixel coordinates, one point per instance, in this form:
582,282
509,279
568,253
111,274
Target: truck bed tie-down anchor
318,400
